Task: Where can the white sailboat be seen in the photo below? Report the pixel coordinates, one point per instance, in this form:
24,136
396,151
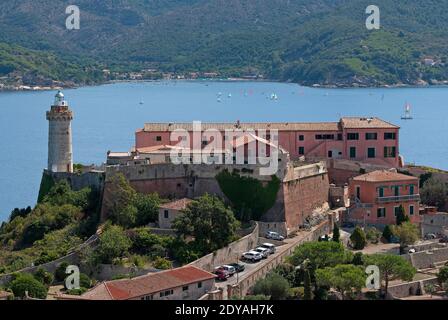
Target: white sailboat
407,112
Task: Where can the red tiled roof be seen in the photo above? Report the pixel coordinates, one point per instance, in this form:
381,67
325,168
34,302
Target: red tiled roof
177,204
384,176
366,123
149,284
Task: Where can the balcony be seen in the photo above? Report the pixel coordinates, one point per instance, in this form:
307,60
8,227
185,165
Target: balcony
414,197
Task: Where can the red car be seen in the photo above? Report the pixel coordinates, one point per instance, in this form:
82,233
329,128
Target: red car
221,274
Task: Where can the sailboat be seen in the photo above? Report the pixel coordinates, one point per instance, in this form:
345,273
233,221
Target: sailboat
407,112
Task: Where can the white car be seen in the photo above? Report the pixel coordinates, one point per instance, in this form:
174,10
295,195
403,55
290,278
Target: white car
274,236
269,246
263,251
253,256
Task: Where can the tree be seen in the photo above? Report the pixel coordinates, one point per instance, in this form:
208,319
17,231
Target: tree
120,201
358,239
209,222
373,235
388,233
113,244
59,273
320,254
147,208
435,193
347,279
407,233
43,276
25,282
442,276
85,281
391,267
401,216
274,286
336,233
358,259
307,290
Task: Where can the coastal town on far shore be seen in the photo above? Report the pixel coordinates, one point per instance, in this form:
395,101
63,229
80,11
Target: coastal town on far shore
232,211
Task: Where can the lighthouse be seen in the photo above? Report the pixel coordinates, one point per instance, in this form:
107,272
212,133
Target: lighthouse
60,150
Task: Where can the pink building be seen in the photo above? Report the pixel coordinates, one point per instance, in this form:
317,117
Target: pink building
370,140
376,197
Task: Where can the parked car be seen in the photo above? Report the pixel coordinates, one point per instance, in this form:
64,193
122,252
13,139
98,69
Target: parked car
221,274
263,251
229,269
238,267
269,246
274,236
430,236
412,250
253,256
444,239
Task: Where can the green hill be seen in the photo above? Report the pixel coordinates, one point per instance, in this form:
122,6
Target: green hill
322,41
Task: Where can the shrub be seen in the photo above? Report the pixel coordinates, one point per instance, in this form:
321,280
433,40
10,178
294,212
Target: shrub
85,281
388,233
358,239
373,235
274,286
358,259
43,276
59,273
162,263
77,292
27,283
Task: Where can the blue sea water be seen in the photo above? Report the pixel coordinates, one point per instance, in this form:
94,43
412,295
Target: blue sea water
107,116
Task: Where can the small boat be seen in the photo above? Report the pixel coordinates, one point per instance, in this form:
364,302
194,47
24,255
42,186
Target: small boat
219,100
274,96
407,112
230,95
141,102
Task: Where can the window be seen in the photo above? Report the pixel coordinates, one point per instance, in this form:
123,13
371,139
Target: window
411,210
166,214
301,151
352,152
396,190
301,137
381,212
371,153
390,152
340,136
411,189
199,285
159,138
390,136
185,288
396,211
358,192
371,136
352,136
324,136
166,293
380,192
151,297
330,154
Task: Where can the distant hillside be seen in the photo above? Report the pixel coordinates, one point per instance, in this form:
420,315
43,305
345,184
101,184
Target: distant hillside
41,68
322,41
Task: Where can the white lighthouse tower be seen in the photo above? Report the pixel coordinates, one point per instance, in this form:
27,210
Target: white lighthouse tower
60,150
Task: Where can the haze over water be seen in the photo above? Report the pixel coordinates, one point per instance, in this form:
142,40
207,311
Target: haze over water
106,117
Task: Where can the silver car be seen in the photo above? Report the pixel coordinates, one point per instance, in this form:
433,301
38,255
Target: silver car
274,236
263,251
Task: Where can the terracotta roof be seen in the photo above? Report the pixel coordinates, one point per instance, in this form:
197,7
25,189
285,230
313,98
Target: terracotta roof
384,176
280,126
347,122
149,284
177,204
167,149
248,138
366,123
